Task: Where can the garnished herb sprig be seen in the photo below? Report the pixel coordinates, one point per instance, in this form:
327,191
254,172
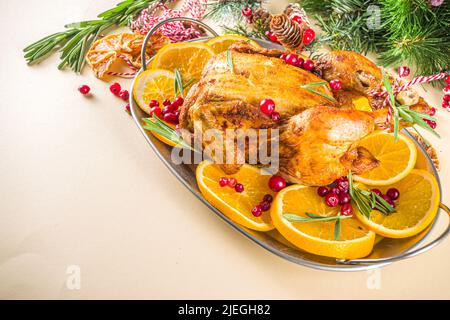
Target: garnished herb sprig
230,61
77,39
366,201
158,126
406,113
310,86
179,87
311,217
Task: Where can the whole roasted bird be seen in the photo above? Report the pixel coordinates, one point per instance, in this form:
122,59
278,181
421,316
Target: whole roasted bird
318,136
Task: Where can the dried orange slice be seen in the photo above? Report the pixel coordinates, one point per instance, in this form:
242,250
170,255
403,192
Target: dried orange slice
188,57
318,237
236,206
397,158
222,43
415,209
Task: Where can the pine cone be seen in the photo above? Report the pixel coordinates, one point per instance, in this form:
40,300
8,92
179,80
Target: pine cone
288,32
264,16
294,9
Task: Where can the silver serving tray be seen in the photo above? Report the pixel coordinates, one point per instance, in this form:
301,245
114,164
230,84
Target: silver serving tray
385,251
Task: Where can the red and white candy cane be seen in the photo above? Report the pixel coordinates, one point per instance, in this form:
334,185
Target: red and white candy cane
125,74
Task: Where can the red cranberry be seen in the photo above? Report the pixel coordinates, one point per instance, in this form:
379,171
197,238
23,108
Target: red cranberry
377,192
178,102
347,210
223,182
277,183
272,36
166,102
335,190
292,59
115,88
153,103
267,106
268,198
388,200
447,97
308,65
344,198
322,191
265,206
447,79
128,109
404,71
336,85
169,109
124,95
446,89
156,111
393,193
432,124
276,116
297,19
170,118
432,112
239,188
445,103
247,12
332,199
343,186
257,211
283,56
84,89
308,36
300,63
232,182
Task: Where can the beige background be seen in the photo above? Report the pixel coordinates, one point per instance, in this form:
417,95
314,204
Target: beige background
80,186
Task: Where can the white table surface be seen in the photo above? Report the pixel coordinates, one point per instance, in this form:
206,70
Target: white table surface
79,186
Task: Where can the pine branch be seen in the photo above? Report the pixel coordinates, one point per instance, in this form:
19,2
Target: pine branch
74,42
222,10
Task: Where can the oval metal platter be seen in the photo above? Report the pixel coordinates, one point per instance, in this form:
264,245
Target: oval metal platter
273,241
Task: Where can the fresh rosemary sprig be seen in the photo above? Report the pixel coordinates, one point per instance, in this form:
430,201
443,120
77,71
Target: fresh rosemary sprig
158,126
366,201
230,61
311,217
405,112
318,84
78,38
179,86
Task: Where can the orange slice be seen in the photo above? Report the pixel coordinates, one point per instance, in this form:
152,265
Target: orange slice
222,43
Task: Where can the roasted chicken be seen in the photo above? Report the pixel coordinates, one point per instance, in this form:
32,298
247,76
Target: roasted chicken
318,137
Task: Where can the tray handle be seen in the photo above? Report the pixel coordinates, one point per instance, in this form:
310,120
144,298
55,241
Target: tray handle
157,26
407,254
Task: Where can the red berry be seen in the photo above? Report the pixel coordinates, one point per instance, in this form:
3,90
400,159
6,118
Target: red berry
308,65
232,182
393,193
404,71
283,56
377,192
170,118
277,183
297,19
447,97
447,79
343,186
322,191
272,36
292,59
432,124
268,198
335,190
171,108
127,108
239,188
388,200
257,211
308,36
347,209
446,89
344,198
178,102
276,116
115,88
84,89
432,112
223,182
336,84
167,102
300,63
332,199
247,12
153,103
265,206
267,106
124,95
445,103
155,111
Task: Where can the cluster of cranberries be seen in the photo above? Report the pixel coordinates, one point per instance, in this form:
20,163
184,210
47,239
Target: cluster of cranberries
170,112
296,61
446,100
116,90
232,183
264,206
390,197
338,194
267,106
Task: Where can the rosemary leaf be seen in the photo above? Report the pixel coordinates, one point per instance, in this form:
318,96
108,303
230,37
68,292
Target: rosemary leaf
230,61
337,229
